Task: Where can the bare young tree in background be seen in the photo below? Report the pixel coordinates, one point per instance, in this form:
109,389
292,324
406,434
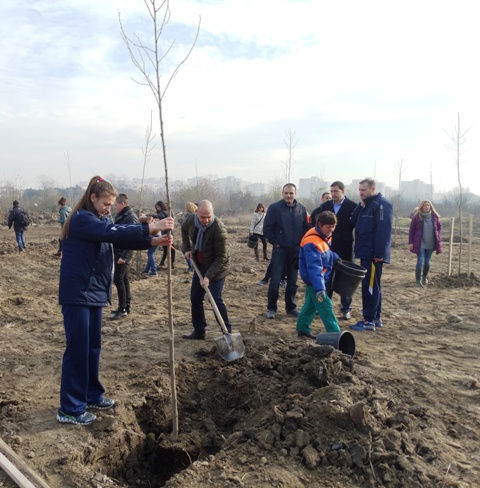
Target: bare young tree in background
290,141
69,167
146,56
458,138
147,153
399,169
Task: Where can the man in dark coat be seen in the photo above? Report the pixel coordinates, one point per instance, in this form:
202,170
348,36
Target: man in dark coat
342,239
122,257
204,239
373,219
285,225
19,218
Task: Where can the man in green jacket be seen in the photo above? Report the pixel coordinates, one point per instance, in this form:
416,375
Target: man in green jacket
204,238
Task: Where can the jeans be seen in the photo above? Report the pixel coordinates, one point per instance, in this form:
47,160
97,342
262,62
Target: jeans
197,295
424,257
151,265
284,263
80,384
20,239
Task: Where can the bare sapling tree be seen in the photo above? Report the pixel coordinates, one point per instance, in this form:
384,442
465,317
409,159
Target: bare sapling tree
287,166
399,169
148,56
69,167
147,154
458,139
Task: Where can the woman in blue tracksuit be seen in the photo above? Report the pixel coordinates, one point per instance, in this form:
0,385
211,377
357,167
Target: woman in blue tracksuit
85,288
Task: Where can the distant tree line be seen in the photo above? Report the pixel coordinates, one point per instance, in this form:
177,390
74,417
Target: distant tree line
227,203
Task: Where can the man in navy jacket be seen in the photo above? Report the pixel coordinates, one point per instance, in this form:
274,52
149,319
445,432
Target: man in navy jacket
373,236
342,239
285,225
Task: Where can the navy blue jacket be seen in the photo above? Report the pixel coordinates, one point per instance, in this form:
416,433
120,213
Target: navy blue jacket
87,257
373,228
342,238
285,225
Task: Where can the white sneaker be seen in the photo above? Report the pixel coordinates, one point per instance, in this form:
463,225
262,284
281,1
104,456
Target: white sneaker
346,315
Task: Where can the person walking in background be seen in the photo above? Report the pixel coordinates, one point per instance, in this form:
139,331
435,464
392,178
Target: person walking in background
162,213
285,225
204,239
123,216
316,264
424,237
256,229
85,288
63,212
20,219
372,219
342,239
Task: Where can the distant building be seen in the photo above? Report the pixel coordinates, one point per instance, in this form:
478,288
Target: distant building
311,187
415,190
256,189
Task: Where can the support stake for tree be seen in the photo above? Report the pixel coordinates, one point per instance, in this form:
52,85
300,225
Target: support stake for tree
450,248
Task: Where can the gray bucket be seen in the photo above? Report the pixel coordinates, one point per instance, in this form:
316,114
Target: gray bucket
343,341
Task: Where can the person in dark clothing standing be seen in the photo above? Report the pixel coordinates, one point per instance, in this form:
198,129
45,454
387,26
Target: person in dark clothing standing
162,213
204,240
372,218
20,219
85,288
285,225
124,215
342,239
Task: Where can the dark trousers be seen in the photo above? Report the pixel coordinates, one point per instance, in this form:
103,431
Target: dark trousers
197,295
164,255
345,250
80,384
122,283
284,264
372,290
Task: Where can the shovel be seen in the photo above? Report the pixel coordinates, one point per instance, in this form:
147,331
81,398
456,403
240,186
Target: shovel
229,346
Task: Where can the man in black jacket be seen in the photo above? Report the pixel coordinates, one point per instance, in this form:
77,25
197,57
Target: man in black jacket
285,224
20,219
122,257
342,239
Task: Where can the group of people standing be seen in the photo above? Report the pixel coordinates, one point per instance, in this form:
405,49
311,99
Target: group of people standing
339,229
92,245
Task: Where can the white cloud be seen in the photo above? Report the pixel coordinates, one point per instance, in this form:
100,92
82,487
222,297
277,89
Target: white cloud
363,84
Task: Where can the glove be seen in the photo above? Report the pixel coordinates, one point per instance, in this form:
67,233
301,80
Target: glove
320,295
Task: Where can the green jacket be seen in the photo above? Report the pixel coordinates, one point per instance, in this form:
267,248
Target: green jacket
216,260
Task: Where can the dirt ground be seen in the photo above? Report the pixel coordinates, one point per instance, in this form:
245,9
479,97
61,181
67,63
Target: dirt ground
405,412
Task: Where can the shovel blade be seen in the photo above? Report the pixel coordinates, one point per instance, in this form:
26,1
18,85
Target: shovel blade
230,346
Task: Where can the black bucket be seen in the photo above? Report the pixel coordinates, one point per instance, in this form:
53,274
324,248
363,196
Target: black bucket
343,341
252,241
346,277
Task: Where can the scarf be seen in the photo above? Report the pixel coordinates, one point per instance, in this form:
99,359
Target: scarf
201,232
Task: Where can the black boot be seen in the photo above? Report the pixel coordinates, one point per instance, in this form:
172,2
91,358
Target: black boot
265,257
256,254
418,273
426,269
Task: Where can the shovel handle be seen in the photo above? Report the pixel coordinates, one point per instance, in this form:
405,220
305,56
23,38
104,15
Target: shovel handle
210,298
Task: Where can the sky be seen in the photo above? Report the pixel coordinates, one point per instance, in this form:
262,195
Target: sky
366,87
